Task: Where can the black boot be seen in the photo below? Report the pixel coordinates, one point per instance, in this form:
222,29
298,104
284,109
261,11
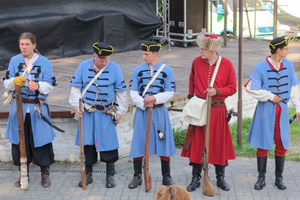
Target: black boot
279,161
89,175
110,172
45,181
165,171
195,183
18,182
221,183
261,168
137,177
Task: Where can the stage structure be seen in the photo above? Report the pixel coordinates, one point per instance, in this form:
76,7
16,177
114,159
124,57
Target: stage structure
182,20
66,28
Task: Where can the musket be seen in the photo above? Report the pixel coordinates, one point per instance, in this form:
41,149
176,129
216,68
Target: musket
23,156
147,176
82,156
208,188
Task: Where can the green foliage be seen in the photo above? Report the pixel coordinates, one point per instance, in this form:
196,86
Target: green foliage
179,136
244,149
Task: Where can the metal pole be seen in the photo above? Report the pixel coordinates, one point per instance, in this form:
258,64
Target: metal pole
234,18
255,19
225,24
246,8
275,19
210,26
240,78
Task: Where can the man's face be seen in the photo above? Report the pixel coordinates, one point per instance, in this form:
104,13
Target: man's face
27,48
101,62
283,52
205,53
149,56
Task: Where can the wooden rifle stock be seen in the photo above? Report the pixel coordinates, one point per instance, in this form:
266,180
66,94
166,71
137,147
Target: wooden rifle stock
208,188
147,176
22,145
82,156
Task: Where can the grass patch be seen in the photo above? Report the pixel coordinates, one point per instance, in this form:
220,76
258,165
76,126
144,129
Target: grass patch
179,136
244,150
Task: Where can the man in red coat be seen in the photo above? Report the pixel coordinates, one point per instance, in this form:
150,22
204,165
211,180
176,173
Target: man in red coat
220,143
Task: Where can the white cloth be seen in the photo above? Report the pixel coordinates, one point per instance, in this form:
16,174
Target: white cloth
162,97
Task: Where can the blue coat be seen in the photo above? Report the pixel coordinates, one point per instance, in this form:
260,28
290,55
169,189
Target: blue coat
42,71
98,127
160,116
261,133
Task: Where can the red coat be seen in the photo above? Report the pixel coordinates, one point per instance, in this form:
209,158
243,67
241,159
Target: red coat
220,143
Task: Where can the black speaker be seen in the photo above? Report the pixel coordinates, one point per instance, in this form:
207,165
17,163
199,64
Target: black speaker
187,18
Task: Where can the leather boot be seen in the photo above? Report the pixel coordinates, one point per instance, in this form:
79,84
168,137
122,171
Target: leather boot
45,181
279,161
195,183
165,171
18,182
89,175
137,177
261,168
110,172
221,183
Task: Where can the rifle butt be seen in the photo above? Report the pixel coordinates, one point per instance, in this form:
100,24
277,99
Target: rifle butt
148,184
24,176
147,178
83,178
208,188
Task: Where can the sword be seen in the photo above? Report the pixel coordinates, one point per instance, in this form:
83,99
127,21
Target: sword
47,120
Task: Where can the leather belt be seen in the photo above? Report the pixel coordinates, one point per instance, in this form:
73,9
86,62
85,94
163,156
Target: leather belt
102,107
218,104
158,105
32,101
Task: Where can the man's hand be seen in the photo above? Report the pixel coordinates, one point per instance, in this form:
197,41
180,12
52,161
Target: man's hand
19,80
276,99
78,112
149,101
298,117
211,92
118,117
33,86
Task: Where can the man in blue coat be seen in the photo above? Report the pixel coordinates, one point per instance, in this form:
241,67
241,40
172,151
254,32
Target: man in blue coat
100,83
33,72
273,83
158,93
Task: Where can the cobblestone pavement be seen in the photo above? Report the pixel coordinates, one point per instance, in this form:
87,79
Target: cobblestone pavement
241,175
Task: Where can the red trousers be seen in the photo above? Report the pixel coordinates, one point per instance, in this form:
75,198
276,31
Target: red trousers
279,150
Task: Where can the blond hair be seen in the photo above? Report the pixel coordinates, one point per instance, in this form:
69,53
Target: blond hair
172,192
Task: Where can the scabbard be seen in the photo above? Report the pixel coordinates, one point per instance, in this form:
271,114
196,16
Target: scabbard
189,137
293,119
51,124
